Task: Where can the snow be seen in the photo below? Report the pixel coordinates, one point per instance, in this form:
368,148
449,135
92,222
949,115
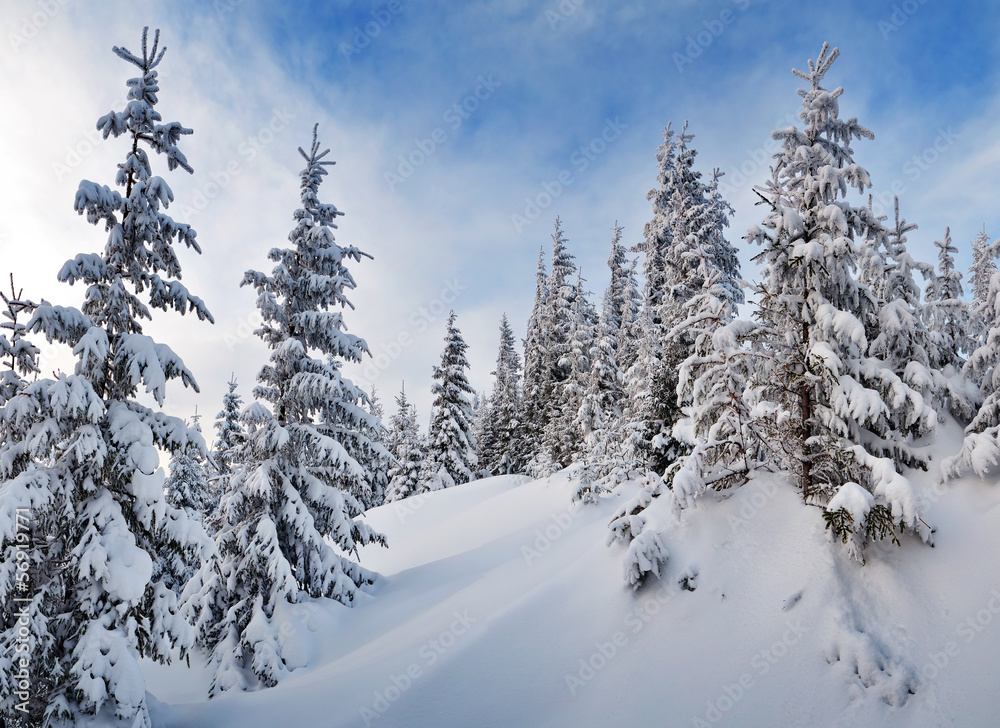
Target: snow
106,661
109,554
854,499
501,606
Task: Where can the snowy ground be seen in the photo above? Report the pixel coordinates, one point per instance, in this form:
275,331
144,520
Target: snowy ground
502,606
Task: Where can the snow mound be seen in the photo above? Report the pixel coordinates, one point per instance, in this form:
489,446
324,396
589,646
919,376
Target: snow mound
502,604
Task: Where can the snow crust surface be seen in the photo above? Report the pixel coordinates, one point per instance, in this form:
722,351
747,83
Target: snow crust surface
501,606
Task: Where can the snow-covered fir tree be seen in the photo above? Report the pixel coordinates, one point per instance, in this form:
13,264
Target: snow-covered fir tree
645,552
230,435
293,487
710,380
603,398
406,478
688,218
408,449
79,452
482,429
188,487
634,359
18,355
727,443
501,453
451,443
643,423
565,440
945,310
697,216
599,418
898,335
984,265
230,439
534,355
981,446
631,331
376,459
714,244
556,321
843,421
637,415
401,423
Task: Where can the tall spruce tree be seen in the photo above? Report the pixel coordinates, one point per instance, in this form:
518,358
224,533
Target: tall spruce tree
293,488
631,331
688,221
984,257
728,444
400,423
19,356
371,450
710,379
230,439
79,452
844,421
230,435
451,444
502,453
188,488
898,335
187,485
945,311
555,323
602,401
599,417
981,446
648,377
565,440
534,355
482,429
408,449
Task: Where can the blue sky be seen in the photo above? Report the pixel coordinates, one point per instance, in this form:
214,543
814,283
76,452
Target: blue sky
441,195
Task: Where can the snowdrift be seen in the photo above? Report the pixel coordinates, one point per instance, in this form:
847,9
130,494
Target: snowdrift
501,606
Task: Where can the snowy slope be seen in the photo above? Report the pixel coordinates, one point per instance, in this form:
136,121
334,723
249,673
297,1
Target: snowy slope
501,606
